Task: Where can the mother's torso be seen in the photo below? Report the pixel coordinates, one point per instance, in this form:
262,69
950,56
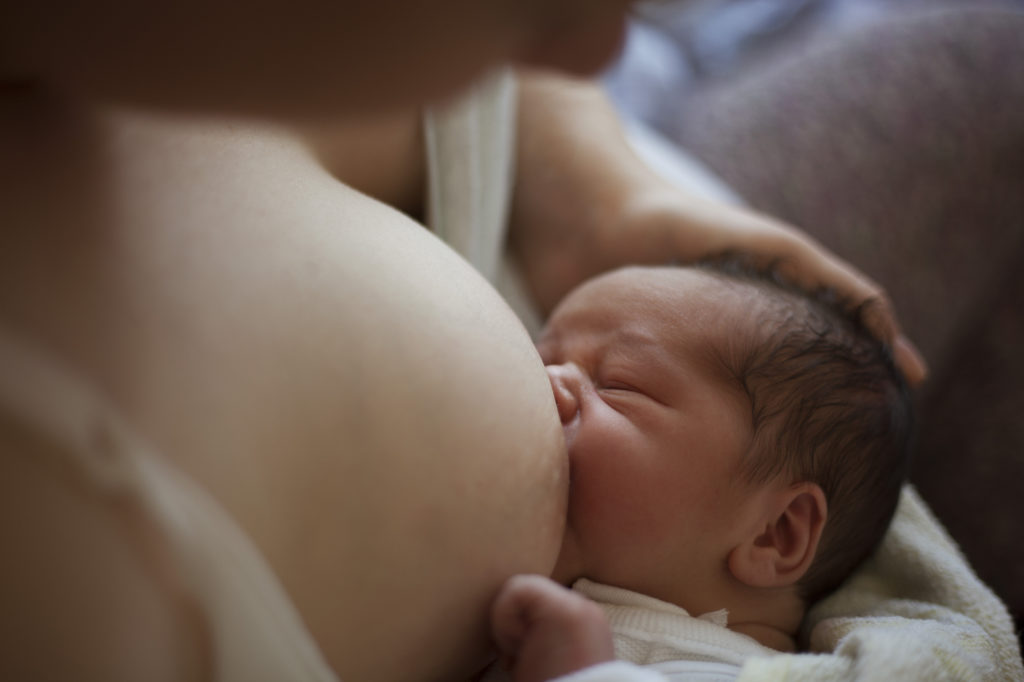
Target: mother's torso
358,399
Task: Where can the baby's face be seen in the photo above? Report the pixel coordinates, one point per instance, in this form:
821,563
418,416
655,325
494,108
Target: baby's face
656,429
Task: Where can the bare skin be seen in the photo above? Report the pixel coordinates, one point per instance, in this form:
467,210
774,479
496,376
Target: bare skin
264,338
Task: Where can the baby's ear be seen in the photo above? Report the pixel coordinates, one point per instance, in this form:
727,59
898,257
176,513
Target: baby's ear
783,548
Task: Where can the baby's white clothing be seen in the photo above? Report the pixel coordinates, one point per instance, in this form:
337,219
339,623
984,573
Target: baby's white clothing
648,631
663,638
666,640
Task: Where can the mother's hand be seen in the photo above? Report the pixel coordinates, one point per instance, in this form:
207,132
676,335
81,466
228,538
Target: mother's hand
585,203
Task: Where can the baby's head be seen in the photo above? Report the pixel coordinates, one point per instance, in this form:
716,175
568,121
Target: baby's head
828,406
729,436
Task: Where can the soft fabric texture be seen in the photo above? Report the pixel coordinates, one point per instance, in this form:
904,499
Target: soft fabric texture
663,638
255,633
620,671
647,630
470,148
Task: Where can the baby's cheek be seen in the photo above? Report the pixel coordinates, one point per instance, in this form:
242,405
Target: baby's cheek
611,510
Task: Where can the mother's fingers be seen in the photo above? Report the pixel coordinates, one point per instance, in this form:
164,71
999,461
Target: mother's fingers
814,266
808,264
909,360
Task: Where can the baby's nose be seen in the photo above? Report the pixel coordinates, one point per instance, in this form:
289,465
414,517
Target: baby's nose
566,385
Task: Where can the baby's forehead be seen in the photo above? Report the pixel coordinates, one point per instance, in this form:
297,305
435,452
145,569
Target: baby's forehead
689,298
693,311
727,316
638,284
700,292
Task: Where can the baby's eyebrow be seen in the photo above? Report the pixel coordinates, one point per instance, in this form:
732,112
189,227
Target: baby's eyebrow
644,347
634,336
640,347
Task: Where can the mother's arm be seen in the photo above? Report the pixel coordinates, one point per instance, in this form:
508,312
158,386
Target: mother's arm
585,203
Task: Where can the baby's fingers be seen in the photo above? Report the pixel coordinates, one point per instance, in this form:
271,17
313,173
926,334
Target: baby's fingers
879,312
547,631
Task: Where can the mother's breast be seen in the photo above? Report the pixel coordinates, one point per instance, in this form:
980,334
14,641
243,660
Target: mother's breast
434,462
357,397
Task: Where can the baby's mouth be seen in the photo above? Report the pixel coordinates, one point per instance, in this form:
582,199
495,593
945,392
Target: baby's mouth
567,406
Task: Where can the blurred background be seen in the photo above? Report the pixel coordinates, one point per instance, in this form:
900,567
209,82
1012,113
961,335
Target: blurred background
893,132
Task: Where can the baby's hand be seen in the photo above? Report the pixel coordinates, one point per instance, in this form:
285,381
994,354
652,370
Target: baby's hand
545,630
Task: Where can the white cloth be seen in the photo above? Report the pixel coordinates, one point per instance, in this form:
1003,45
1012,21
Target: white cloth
470,156
255,632
663,638
620,671
470,147
647,630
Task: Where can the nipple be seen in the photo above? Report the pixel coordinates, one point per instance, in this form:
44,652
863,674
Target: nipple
565,397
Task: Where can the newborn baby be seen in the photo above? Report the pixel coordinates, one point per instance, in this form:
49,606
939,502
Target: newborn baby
736,449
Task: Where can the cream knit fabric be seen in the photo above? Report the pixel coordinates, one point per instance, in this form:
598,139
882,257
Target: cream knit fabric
647,630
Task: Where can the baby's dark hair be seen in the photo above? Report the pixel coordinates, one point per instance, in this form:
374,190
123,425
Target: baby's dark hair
828,406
